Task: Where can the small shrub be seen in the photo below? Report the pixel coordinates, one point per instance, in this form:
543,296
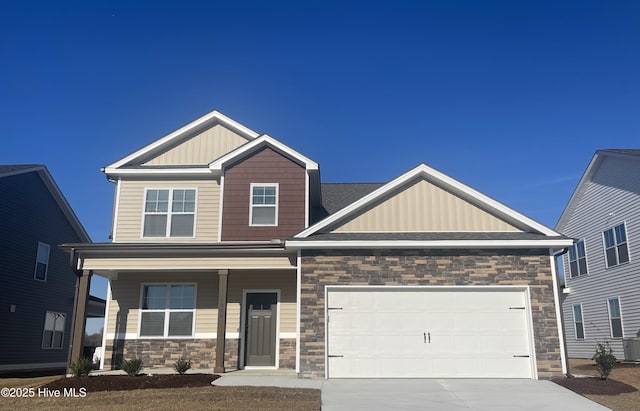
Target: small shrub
132,367
605,359
182,365
81,367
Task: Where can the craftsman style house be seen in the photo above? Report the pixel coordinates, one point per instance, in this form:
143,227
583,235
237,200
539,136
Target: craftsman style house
601,270
38,286
228,250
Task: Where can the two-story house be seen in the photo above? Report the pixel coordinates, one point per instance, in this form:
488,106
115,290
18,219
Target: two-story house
228,250
602,291
38,286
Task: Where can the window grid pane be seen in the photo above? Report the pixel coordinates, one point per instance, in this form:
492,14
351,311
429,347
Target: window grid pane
154,297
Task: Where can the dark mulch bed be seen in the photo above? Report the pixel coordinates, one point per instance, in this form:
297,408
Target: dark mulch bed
595,386
125,382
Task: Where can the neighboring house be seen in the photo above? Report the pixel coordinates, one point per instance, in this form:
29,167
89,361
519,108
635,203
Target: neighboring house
38,285
602,271
228,250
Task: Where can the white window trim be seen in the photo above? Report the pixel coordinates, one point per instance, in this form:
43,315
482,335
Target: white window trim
169,212
575,327
44,329
251,205
586,259
167,311
46,270
609,317
604,245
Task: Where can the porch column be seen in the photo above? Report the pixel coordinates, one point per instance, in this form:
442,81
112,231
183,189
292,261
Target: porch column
223,287
79,320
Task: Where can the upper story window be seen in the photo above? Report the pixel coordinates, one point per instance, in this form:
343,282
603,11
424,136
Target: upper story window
42,262
264,205
52,336
615,245
169,213
577,259
168,310
615,317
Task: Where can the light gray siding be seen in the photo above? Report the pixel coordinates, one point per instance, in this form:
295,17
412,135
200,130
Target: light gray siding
611,197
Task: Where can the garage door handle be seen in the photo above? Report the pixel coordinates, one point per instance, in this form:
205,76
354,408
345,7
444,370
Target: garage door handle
335,356
521,356
425,337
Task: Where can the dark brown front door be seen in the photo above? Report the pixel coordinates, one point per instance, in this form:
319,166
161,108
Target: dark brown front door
260,331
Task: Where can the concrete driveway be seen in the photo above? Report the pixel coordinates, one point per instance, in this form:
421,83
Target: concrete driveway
450,395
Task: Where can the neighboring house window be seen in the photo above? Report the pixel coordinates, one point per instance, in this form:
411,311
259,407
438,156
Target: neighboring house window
169,218
42,262
615,245
577,259
615,317
264,205
168,310
52,337
577,319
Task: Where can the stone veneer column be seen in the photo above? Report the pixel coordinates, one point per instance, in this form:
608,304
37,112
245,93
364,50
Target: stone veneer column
79,321
223,287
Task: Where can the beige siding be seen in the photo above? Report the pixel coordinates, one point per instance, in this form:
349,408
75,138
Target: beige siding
425,207
174,263
125,302
131,206
201,149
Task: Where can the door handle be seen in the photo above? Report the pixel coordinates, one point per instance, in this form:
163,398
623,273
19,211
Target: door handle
427,336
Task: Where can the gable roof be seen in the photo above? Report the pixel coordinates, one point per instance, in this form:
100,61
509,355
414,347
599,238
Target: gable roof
587,176
47,179
336,196
532,231
207,120
218,165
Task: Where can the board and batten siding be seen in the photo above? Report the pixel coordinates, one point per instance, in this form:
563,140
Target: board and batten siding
610,198
130,210
124,306
201,149
421,207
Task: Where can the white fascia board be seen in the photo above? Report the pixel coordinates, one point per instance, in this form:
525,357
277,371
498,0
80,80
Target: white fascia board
577,192
213,115
219,164
443,179
115,172
292,244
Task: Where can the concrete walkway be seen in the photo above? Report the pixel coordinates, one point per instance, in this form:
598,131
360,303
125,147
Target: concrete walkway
451,395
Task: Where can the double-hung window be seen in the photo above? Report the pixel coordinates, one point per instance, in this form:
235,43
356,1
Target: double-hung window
615,317
577,259
42,262
615,245
167,310
169,213
264,205
52,337
577,321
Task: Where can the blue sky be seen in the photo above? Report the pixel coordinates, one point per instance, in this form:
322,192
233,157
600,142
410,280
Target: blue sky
511,98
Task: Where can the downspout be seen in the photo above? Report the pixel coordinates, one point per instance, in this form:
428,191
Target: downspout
558,292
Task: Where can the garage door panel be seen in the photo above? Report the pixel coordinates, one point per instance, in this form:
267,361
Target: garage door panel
428,333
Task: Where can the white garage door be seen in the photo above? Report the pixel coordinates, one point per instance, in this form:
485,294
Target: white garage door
464,332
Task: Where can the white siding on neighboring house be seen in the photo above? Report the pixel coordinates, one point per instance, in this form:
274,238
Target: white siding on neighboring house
130,211
611,197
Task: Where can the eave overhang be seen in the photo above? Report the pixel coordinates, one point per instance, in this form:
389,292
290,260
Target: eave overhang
431,244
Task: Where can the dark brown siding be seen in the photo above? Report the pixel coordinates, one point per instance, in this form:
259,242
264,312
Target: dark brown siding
264,166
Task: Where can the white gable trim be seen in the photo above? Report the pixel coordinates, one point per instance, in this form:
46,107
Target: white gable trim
592,169
218,165
210,117
424,170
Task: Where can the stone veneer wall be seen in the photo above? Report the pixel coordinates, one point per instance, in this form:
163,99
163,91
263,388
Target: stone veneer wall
427,267
201,352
